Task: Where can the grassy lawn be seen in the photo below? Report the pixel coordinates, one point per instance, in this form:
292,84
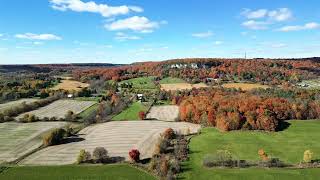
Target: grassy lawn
288,145
141,83
121,171
170,80
131,113
88,111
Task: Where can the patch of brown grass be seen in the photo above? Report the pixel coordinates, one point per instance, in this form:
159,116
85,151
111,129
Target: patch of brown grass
181,86
245,86
70,85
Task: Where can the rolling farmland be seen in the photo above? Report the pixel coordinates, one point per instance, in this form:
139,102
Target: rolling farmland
245,86
60,108
164,113
118,137
17,139
70,85
11,104
181,86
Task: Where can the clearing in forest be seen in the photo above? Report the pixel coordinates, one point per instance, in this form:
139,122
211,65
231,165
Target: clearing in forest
245,86
18,139
118,137
70,85
170,80
164,113
181,86
60,108
12,104
141,82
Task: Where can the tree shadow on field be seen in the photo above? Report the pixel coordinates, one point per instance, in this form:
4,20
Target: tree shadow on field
283,125
72,139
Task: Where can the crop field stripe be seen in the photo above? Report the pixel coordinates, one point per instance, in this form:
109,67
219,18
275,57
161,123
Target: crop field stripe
60,108
118,137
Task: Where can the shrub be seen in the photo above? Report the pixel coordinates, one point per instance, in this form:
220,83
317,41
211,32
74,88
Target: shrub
54,137
100,155
169,134
307,156
272,162
1,117
83,157
164,167
263,155
221,158
142,115
175,166
134,155
70,116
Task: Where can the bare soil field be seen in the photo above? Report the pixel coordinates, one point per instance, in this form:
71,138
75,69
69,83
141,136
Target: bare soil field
11,104
245,86
164,113
60,108
70,85
118,137
18,139
181,86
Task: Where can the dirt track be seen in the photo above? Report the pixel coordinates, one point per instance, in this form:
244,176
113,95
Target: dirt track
117,137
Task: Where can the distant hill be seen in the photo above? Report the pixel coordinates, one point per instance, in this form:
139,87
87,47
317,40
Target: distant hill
45,68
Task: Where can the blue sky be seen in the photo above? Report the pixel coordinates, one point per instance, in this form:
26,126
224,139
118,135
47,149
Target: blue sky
123,31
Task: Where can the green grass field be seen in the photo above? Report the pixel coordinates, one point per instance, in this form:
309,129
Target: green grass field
170,80
88,111
288,145
131,113
121,172
142,82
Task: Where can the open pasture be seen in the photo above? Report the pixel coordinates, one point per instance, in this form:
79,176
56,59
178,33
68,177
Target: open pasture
181,86
245,86
164,113
11,104
18,139
70,85
170,80
118,137
131,113
113,171
287,145
60,108
141,83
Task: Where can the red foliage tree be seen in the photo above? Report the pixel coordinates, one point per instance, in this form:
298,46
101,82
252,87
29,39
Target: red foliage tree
142,115
134,155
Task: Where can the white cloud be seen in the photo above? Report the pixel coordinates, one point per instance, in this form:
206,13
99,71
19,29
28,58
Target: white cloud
203,34
135,23
282,14
1,35
123,37
103,9
260,13
32,36
308,26
266,17
255,25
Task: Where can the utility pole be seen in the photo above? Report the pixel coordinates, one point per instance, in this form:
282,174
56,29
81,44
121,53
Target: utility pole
245,55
